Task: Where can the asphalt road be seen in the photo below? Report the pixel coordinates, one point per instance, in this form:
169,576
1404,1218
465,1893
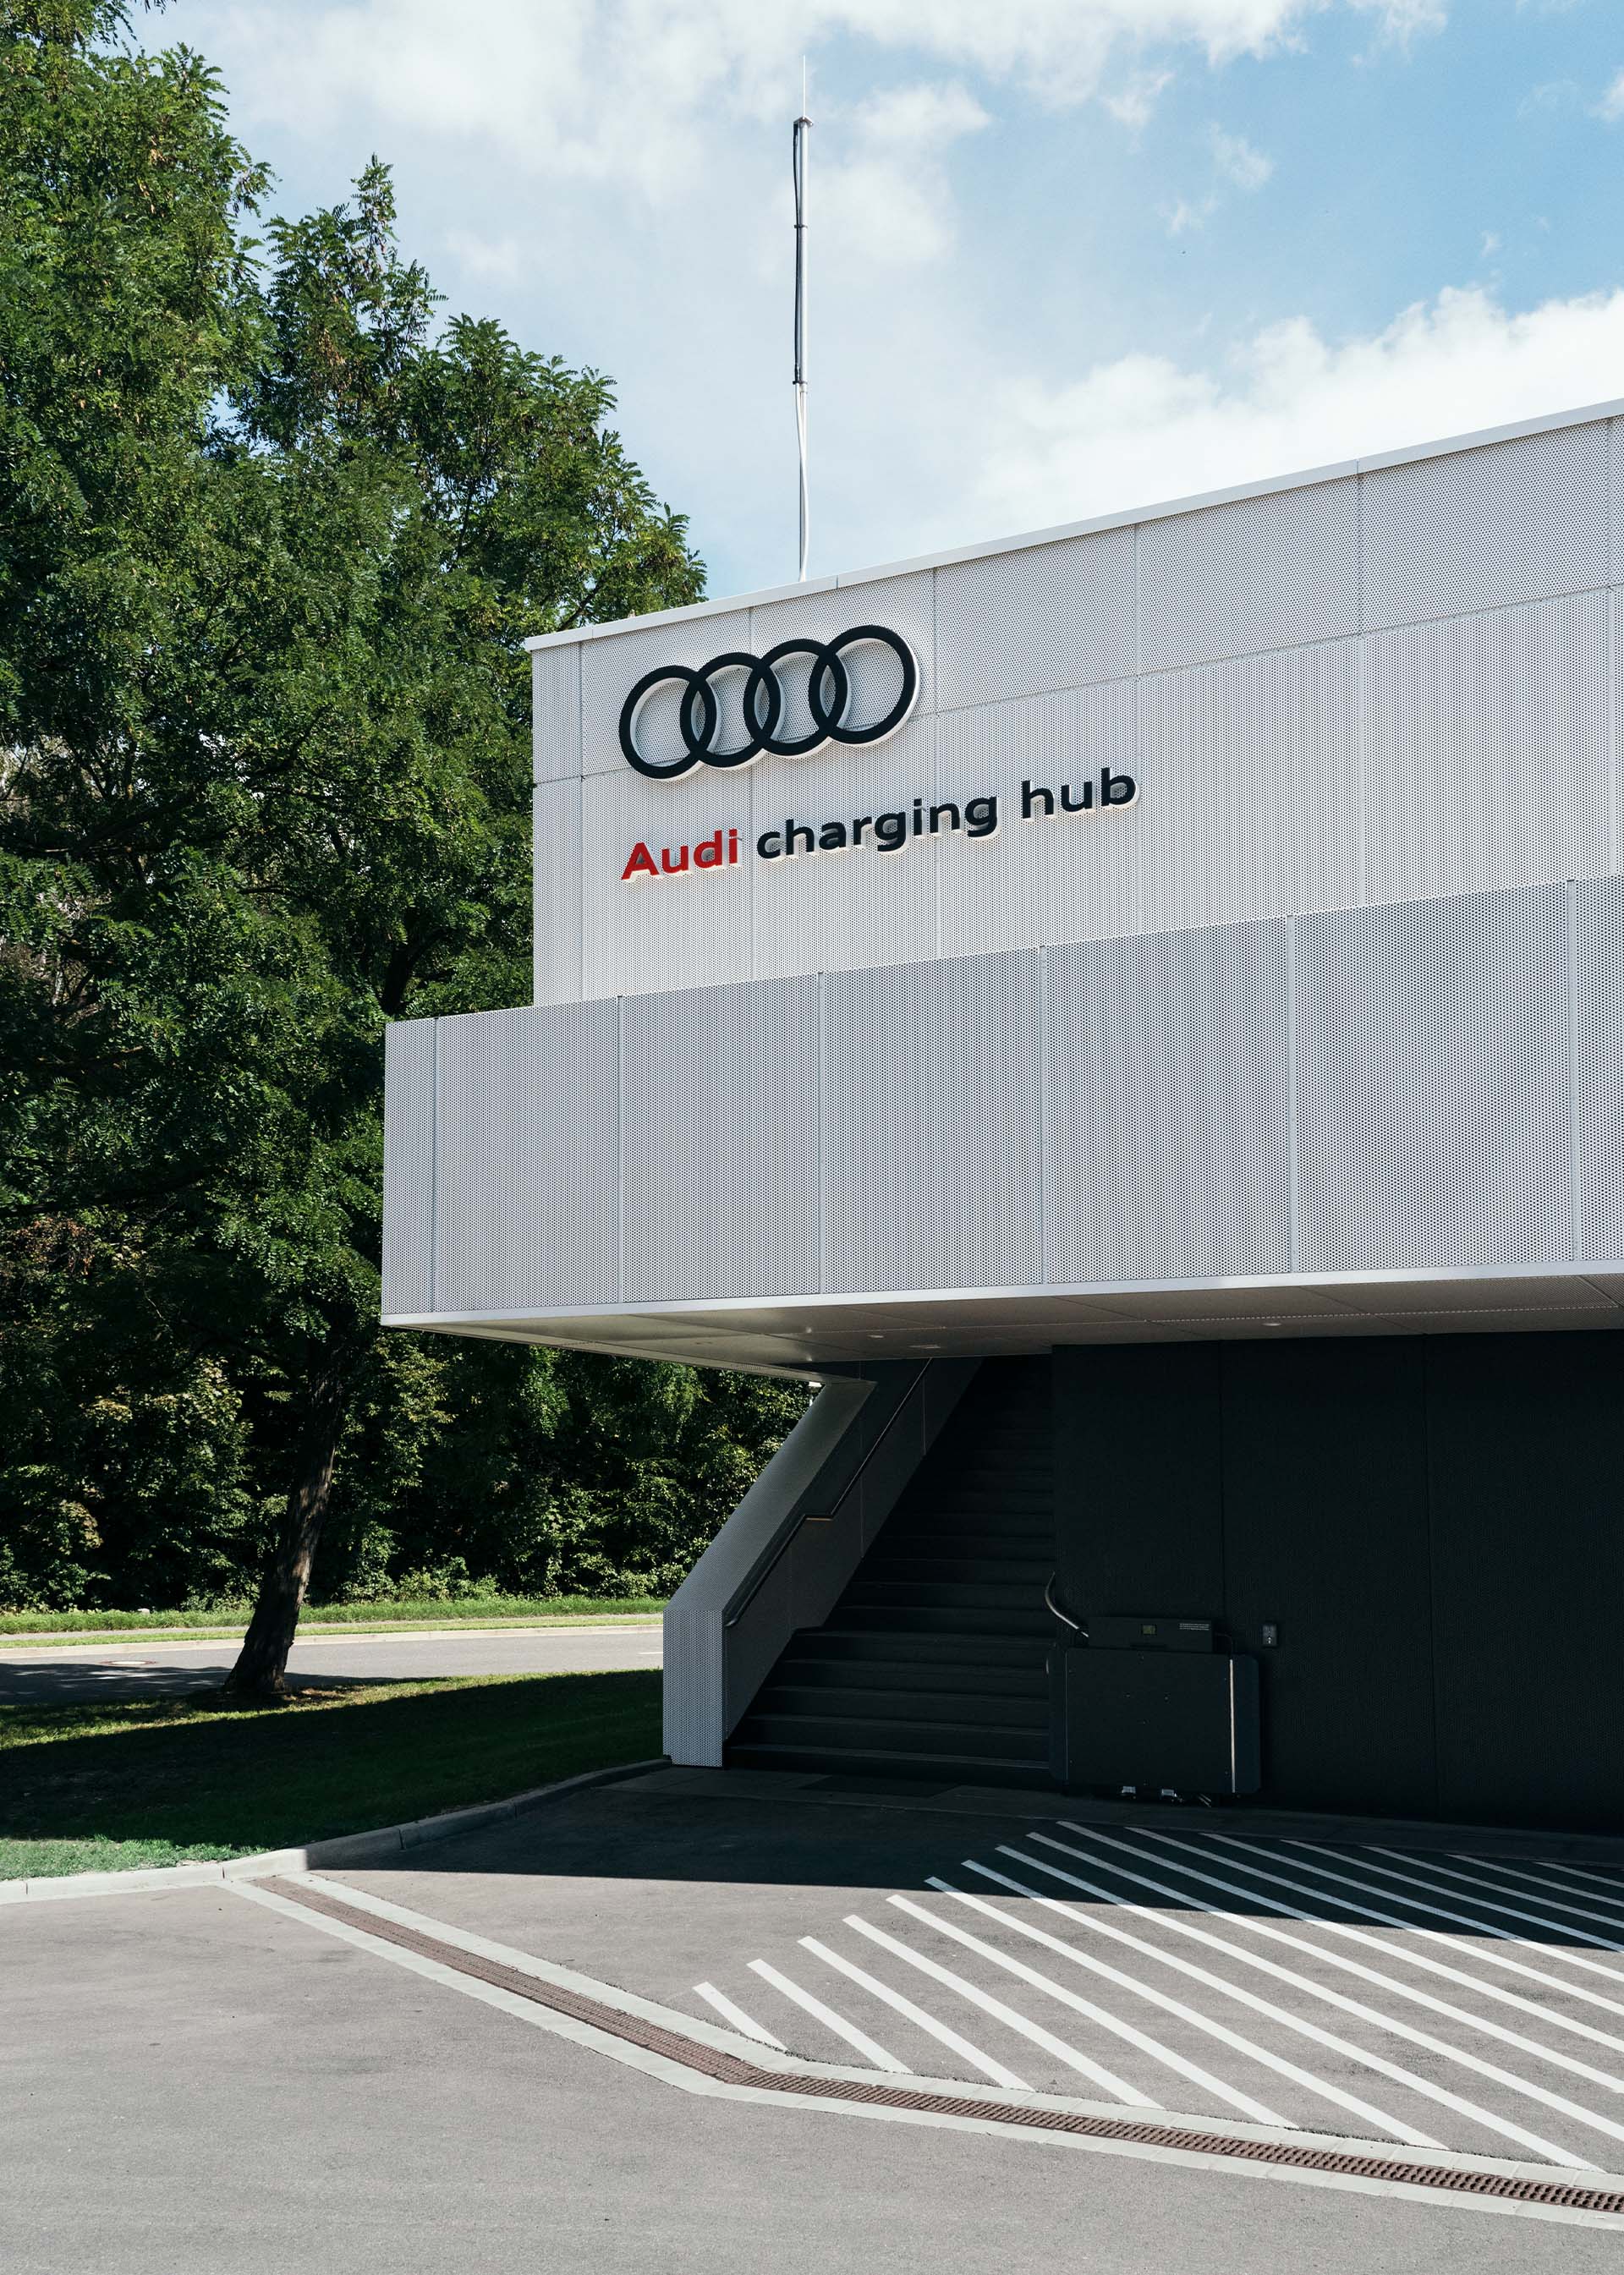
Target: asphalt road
328,1658
191,2080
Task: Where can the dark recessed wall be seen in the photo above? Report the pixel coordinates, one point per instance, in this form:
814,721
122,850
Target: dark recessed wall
1434,1525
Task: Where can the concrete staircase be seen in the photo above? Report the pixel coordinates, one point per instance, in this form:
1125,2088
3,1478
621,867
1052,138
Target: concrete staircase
931,1665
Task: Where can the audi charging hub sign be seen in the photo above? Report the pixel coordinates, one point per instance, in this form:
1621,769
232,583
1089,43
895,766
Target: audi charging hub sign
797,699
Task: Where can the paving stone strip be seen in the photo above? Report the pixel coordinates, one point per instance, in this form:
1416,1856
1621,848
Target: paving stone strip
732,2069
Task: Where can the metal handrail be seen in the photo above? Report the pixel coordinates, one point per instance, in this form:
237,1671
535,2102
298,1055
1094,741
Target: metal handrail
825,1515
1065,1618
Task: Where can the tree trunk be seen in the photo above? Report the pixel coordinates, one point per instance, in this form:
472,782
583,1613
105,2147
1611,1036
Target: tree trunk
262,1665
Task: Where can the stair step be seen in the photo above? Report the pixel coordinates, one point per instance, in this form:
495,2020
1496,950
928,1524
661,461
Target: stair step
831,1702
1002,1679
879,1762
846,1647
976,1594
1026,1573
954,1738
942,1618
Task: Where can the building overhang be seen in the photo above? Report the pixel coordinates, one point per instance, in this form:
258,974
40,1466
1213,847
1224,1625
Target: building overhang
803,1336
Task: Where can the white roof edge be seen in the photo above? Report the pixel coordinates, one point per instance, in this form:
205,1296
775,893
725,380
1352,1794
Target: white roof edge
1551,423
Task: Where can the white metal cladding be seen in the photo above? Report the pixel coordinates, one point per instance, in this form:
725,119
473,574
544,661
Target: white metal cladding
1389,681
826,911
1167,1134
1424,1086
1249,778
1489,750
720,1109
556,889
408,1166
1046,617
527,1185
1067,876
1598,1037
1521,520
555,695
931,1094
1434,1052
688,930
1271,571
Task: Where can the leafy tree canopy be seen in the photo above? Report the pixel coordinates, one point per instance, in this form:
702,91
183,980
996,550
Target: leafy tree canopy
271,533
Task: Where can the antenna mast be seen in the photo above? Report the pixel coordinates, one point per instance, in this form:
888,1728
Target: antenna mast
798,147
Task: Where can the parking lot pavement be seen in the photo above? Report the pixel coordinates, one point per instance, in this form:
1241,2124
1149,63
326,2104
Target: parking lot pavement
197,2084
323,1658
1424,1997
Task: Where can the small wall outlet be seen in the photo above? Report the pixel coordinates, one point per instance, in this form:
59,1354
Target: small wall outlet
1271,1634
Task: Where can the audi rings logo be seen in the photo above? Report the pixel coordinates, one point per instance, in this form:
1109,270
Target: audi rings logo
830,701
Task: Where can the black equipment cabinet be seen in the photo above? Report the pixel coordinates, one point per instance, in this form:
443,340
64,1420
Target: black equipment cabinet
1180,1719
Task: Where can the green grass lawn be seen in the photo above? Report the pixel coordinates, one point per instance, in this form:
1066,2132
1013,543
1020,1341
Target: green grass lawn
397,1611
169,1781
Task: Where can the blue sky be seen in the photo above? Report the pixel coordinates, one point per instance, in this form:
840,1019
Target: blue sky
1068,256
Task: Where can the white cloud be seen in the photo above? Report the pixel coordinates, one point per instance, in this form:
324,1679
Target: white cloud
1490,244
1612,105
887,199
1238,161
1144,427
636,91
1184,214
1132,104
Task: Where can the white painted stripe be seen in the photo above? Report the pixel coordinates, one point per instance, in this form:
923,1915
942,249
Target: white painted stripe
1270,2060
1482,1877
738,2017
830,2020
1542,1879
1413,2079
1480,1937
1527,2087
1390,1983
1488,1904
1602,1879
871,1984
988,2005
1153,2047
1409,1956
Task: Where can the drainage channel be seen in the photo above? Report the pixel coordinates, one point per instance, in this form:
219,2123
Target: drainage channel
731,2070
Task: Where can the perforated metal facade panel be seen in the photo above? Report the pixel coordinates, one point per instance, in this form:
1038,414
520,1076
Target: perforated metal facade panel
1044,617
1432,1057
687,930
408,1166
720,1106
1061,876
527,1187
931,1121
1249,787
1264,573
1489,751
1167,1132
1520,520
556,890
1598,1038
556,727
828,911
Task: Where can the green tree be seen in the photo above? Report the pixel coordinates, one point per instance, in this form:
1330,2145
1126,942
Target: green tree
269,539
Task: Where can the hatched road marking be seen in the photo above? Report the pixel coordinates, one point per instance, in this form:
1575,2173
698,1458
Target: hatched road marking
1369,1915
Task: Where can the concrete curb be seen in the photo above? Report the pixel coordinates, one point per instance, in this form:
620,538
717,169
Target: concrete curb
344,1848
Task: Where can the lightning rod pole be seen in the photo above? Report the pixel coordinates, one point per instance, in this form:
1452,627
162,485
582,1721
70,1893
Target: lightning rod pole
803,127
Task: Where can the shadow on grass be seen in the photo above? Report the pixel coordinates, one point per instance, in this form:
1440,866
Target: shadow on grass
189,1773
